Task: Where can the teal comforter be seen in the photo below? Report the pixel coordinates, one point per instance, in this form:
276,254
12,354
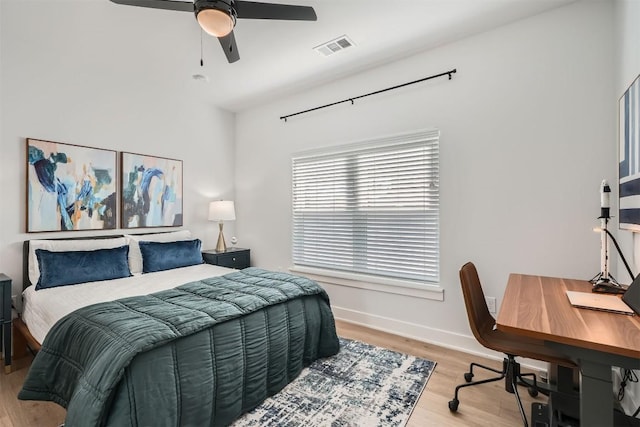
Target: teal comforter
197,355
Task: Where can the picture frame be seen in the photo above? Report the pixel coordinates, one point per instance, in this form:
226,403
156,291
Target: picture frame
629,158
151,189
70,187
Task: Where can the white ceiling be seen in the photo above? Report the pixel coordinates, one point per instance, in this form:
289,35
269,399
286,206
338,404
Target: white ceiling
276,57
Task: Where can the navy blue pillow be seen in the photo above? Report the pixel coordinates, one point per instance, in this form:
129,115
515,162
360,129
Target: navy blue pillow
158,256
72,267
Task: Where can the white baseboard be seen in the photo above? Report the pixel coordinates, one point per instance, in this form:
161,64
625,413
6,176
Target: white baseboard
439,337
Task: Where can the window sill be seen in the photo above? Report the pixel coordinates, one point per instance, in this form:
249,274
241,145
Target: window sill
373,283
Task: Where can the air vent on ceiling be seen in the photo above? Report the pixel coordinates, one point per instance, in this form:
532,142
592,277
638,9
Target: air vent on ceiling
333,46
200,78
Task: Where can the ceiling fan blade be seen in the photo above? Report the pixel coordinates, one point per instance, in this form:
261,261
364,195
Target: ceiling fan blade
255,10
159,4
230,48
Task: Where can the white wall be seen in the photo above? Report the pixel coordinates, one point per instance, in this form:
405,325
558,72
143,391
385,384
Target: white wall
66,78
627,62
528,133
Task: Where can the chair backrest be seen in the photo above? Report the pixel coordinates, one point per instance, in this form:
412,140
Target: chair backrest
480,319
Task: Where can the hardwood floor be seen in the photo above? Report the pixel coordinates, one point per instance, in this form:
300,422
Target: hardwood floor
19,413
483,405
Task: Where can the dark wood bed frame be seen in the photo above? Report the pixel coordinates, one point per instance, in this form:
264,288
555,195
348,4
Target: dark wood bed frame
23,341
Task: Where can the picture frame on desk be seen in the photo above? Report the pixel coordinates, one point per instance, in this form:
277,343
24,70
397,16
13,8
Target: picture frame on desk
629,158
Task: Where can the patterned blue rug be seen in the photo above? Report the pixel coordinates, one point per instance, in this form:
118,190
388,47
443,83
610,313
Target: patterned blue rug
363,385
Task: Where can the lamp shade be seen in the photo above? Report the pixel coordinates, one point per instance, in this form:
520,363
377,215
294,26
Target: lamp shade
222,210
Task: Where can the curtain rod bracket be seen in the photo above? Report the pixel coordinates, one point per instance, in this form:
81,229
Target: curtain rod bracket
446,73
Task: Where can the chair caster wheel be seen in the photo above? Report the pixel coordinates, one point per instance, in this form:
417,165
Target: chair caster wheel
468,376
453,405
533,392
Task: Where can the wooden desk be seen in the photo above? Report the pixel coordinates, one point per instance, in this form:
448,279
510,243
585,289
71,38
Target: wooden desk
538,307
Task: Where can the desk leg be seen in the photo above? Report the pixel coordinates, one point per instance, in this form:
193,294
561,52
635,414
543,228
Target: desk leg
596,394
596,386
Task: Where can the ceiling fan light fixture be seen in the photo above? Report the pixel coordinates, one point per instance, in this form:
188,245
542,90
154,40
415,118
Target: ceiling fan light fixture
215,18
218,17
215,22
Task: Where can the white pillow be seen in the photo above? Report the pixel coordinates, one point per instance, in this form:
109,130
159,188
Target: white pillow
135,256
64,246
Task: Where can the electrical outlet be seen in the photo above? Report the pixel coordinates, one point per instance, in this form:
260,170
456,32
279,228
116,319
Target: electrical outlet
491,304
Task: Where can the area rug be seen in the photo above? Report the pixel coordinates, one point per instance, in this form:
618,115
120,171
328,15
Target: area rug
363,385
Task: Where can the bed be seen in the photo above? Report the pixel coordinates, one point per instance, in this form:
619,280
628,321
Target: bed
189,345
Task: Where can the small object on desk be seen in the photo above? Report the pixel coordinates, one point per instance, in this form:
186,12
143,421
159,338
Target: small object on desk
608,288
592,301
603,277
237,258
604,282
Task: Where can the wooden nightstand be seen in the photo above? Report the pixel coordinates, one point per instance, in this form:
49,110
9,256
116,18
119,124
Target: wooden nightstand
5,320
233,257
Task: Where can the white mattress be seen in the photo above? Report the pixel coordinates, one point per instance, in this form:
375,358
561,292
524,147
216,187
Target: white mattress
43,308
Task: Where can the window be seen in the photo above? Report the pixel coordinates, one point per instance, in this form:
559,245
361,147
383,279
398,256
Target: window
370,208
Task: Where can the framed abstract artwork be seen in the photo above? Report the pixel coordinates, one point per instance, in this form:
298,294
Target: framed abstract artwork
629,157
70,187
151,191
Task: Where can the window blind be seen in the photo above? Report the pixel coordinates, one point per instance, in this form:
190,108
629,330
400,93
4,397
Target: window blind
370,208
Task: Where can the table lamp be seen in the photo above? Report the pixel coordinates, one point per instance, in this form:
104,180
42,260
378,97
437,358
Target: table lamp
221,210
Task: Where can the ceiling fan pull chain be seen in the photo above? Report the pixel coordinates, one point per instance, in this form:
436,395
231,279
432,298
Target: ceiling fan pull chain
201,55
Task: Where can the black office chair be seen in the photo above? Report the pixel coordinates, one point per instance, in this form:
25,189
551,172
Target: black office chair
482,325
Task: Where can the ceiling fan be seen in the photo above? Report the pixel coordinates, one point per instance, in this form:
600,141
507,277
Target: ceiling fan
218,17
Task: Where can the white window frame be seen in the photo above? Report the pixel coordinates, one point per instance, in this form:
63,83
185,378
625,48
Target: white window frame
383,283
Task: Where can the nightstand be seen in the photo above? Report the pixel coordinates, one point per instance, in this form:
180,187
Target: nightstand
5,320
233,257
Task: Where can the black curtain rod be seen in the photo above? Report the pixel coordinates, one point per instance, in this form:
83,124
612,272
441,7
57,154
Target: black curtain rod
446,73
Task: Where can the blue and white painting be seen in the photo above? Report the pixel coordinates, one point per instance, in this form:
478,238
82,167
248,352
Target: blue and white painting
151,191
70,187
629,134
